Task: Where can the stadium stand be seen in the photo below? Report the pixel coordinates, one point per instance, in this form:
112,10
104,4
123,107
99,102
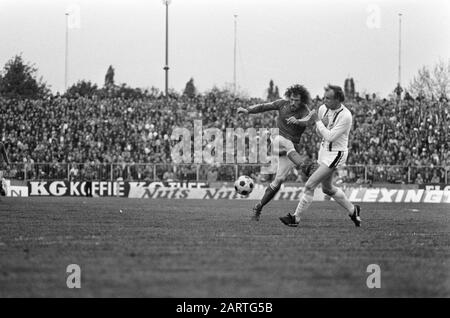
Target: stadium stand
95,138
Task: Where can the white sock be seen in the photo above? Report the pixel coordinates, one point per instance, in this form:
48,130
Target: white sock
340,198
303,205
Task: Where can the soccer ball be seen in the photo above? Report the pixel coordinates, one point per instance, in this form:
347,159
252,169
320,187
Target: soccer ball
244,185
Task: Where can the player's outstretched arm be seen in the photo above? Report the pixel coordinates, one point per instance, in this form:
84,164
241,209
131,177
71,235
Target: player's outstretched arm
260,108
242,110
305,121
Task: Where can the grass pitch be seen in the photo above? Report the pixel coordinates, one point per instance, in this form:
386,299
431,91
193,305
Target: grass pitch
194,248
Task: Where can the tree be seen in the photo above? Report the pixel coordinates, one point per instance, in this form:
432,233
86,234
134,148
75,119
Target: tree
272,92
431,82
190,90
441,78
349,88
227,92
154,91
19,81
231,91
109,77
127,92
82,88
277,93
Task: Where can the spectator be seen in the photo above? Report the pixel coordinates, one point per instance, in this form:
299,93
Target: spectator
212,175
435,178
73,173
419,179
168,176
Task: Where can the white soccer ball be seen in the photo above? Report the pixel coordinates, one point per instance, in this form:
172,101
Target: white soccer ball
244,185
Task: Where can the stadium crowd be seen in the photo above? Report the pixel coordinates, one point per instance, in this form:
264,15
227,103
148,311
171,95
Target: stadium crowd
389,134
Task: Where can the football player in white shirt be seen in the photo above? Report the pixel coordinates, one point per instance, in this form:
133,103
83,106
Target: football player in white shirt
333,123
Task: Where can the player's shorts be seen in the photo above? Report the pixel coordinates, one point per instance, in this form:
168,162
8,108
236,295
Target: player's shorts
282,146
332,159
285,166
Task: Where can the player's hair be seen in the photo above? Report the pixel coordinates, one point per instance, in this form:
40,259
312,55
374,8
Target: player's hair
298,90
338,92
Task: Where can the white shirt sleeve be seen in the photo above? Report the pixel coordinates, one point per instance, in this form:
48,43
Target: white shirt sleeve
320,113
341,127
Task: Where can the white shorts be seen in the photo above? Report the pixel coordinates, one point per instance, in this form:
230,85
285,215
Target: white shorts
285,166
332,159
281,145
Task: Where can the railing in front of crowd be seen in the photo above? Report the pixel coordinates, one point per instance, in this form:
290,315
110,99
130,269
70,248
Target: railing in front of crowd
360,174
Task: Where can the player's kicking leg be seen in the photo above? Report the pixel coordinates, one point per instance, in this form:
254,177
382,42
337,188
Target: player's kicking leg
288,158
284,167
302,163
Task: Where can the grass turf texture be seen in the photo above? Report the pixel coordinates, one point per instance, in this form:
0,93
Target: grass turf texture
194,248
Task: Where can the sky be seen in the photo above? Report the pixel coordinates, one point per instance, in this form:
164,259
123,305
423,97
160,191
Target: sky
289,41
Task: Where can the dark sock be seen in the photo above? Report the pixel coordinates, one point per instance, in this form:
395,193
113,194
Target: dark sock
269,194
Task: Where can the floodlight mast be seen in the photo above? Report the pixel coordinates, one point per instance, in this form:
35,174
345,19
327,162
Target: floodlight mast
166,66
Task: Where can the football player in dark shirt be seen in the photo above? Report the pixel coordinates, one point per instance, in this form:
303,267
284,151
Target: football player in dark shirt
286,143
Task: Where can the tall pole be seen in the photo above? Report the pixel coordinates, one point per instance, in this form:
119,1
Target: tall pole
66,62
234,63
399,48
166,66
